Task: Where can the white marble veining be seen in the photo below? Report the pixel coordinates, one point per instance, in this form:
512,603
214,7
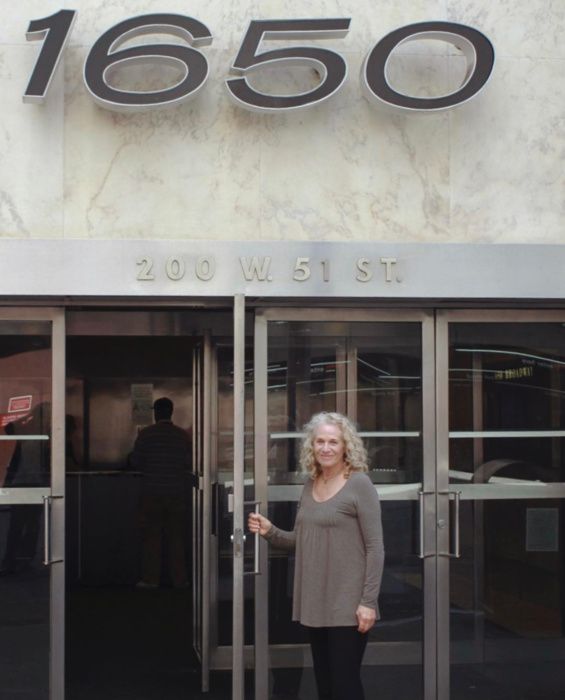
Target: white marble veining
377,175
489,171
31,153
370,20
188,172
16,18
507,167
527,28
226,21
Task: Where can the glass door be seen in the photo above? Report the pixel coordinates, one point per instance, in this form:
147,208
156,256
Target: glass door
202,390
377,368
237,506
501,490
32,463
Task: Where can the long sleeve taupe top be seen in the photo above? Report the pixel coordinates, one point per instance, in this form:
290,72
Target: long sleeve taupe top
339,554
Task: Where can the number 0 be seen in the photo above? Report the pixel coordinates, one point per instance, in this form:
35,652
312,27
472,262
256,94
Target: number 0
474,45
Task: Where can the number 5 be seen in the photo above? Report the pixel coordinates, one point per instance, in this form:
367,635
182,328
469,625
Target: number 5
331,65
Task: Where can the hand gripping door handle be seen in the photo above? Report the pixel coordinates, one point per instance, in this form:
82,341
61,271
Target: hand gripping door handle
47,561
256,566
456,554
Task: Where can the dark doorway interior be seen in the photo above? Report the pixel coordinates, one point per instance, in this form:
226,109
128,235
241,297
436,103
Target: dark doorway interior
122,641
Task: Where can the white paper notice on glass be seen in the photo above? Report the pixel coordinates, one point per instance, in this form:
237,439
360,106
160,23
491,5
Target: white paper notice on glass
142,404
542,530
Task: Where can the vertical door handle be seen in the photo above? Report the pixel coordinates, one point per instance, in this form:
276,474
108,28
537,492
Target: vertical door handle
456,554
456,533
256,566
215,508
47,561
421,494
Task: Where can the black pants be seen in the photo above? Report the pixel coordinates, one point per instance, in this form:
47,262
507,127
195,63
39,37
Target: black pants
337,653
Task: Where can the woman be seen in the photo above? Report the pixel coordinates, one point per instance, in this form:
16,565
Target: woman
339,553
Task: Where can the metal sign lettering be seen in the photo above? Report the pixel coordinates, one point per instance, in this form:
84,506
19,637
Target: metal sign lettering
257,268
329,64
276,269
106,58
474,45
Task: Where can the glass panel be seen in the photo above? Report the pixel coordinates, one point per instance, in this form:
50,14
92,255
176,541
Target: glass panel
389,399
24,604
506,426
507,402
304,372
25,403
373,373
223,518
506,600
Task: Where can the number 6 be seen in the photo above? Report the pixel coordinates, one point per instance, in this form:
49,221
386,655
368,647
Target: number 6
104,58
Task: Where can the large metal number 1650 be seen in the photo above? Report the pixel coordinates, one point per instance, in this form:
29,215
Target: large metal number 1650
329,64
106,57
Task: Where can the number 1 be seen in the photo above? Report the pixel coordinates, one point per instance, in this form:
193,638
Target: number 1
56,30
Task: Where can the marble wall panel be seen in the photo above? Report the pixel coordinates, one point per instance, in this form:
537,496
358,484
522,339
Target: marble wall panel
226,20
187,172
491,170
215,171
16,17
31,152
350,171
507,166
527,28
370,20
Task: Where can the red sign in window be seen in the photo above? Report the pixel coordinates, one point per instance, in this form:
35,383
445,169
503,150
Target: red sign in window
19,404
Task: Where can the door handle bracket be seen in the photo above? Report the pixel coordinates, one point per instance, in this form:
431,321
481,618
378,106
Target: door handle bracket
421,495
47,560
454,496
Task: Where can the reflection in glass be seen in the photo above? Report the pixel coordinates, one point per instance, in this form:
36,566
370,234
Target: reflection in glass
369,371
372,373
25,404
24,604
507,425
507,401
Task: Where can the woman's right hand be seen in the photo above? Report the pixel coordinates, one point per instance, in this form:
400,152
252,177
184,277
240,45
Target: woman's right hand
258,523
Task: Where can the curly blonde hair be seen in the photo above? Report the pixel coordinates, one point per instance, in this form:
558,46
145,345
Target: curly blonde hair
355,453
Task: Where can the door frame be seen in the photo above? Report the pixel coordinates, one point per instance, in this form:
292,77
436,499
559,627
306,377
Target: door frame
52,497
238,537
444,317
427,488
436,449
202,420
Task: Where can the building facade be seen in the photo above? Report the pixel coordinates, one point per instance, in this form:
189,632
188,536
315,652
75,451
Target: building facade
372,224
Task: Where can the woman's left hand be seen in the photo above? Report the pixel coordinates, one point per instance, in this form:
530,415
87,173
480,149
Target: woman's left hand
365,617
